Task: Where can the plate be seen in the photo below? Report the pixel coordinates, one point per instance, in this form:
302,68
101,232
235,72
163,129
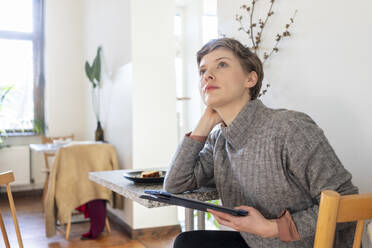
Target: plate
135,176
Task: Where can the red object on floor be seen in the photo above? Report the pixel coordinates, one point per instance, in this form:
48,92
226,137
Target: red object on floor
96,211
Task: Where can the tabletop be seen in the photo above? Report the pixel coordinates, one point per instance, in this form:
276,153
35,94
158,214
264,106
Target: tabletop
53,148
115,181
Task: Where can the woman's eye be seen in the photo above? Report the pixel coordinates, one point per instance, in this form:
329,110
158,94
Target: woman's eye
222,64
202,72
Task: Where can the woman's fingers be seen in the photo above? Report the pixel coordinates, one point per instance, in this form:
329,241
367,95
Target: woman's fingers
225,222
221,214
224,219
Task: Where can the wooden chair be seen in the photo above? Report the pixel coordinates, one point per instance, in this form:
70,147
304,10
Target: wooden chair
50,140
334,208
5,179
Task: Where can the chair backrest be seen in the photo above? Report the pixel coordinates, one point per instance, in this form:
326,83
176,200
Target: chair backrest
49,140
5,179
334,208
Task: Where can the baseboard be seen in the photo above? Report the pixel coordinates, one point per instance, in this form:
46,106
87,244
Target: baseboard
23,193
24,187
142,232
120,224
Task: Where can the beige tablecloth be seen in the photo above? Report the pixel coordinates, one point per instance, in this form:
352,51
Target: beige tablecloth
69,185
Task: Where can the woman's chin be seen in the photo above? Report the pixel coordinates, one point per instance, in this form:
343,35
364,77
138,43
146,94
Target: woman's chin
213,103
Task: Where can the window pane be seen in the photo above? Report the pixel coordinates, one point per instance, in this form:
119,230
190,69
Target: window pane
16,65
16,15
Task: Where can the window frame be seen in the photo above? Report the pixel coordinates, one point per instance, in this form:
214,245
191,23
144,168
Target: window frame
37,38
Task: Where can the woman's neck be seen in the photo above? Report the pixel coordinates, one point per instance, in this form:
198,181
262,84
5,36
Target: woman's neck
229,111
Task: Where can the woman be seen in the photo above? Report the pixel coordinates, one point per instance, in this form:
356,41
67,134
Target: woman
274,163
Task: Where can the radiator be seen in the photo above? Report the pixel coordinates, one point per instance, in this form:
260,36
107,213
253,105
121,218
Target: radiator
16,159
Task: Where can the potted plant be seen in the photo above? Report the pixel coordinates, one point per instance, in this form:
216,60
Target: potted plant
93,73
3,93
39,126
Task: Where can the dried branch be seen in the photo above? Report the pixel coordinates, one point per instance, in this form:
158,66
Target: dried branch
257,39
279,37
262,25
252,24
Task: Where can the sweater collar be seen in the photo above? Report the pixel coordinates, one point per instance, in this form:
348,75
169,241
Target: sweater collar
236,132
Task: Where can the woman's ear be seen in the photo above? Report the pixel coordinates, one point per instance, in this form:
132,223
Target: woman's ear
251,79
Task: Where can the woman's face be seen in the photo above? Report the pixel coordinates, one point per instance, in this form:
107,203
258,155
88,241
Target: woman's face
222,79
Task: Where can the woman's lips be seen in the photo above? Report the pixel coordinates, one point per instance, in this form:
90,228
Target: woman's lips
210,88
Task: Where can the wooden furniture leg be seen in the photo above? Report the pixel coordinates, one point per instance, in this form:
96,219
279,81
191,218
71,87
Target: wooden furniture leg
68,228
14,215
108,225
5,235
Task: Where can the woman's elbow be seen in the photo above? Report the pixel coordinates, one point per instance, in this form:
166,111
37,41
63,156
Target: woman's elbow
176,187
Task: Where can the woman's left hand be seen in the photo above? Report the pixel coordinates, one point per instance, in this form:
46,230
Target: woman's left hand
253,223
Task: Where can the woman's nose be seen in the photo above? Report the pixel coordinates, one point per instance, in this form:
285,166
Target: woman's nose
208,76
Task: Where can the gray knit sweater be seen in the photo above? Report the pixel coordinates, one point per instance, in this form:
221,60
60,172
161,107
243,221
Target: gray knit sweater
268,159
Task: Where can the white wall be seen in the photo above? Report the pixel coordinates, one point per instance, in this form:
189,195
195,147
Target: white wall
154,97
108,23
65,86
139,95
193,12
322,70
154,89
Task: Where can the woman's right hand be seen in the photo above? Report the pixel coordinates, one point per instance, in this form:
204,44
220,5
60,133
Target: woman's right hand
209,119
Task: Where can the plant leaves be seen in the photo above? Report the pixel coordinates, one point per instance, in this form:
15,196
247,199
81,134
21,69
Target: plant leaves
88,71
97,66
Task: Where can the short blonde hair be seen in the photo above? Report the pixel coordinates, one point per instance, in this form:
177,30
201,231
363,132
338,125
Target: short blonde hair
248,60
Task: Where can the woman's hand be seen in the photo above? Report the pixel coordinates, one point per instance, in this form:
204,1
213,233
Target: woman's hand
253,223
209,119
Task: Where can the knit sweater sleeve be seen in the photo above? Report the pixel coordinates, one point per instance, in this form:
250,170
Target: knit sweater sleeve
313,165
191,166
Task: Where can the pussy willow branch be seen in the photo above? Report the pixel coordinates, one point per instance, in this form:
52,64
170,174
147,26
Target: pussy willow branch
279,38
251,22
269,13
242,26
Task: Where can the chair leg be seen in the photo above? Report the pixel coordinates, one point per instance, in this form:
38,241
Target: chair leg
358,234
45,190
14,215
108,225
68,228
5,235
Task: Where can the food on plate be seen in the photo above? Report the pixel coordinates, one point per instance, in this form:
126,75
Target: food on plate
145,174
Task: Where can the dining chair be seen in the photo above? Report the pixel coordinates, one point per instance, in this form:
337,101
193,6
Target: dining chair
47,155
5,179
335,208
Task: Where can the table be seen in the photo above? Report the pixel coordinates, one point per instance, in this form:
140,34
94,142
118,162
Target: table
115,181
48,148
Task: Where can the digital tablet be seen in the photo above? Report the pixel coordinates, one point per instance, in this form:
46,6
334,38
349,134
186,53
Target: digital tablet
165,197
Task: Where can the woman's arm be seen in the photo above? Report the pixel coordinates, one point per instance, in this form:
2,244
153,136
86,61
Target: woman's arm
314,166
192,164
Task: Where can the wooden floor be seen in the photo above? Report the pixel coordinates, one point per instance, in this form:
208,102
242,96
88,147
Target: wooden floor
31,221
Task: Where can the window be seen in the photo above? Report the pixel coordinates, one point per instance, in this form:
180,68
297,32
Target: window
209,20
21,64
